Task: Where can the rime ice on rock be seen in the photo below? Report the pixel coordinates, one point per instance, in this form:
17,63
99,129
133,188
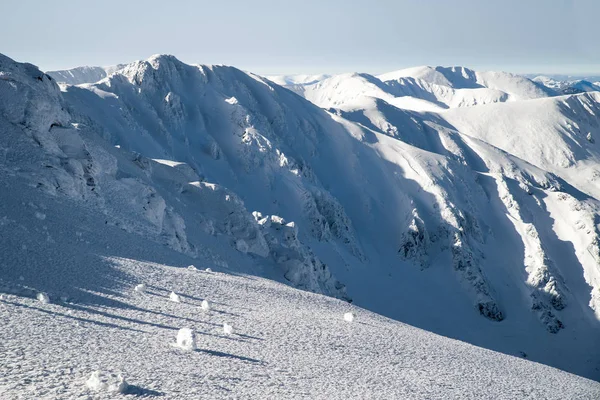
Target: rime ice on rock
186,339
141,288
349,317
192,268
208,270
205,305
228,329
43,298
111,383
175,297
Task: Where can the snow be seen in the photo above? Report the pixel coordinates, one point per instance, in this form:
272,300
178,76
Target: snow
568,85
82,75
43,298
227,329
141,288
174,297
110,383
205,305
456,208
349,317
186,339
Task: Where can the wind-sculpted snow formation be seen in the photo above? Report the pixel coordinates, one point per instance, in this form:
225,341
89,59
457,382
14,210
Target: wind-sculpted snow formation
461,202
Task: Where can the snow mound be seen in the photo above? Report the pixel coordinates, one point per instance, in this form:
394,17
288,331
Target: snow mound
205,305
141,288
227,329
349,317
43,298
186,339
174,297
104,382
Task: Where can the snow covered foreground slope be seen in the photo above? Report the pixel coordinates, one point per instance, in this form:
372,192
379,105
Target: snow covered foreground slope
396,209
286,343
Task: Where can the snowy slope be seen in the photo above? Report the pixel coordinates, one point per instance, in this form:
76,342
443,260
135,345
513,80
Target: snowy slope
79,75
397,209
286,343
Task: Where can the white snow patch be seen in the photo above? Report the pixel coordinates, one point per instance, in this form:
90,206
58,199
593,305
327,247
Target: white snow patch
205,305
175,297
228,329
349,316
186,339
141,288
102,382
43,298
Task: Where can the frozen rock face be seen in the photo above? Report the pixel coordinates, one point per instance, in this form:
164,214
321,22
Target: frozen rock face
415,243
300,264
29,98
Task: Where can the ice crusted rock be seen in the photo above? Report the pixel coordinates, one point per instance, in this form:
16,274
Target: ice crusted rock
301,267
175,297
141,288
227,329
329,220
415,242
186,340
466,263
205,305
103,382
349,317
192,268
43,298
208,270
223,212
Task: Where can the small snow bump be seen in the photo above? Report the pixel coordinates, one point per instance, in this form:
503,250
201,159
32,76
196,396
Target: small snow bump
43,298
111,383
141,288
186,340
175,297
349,316
205,305
228,329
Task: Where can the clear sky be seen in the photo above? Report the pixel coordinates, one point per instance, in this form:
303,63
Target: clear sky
280,36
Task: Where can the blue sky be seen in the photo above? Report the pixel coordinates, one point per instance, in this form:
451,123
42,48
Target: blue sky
268,36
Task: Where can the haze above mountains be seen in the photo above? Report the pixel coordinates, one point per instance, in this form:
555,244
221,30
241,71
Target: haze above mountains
461,202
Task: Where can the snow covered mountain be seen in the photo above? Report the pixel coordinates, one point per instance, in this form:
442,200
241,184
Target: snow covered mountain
459,202
568,85
79,75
